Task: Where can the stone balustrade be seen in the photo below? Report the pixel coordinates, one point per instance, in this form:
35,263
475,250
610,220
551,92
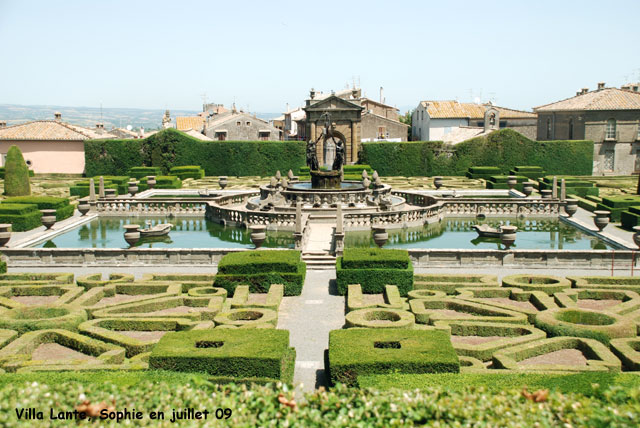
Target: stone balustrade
155,206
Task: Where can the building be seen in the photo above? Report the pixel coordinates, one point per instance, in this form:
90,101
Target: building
433,120
238,125
50,146
610,117
294,124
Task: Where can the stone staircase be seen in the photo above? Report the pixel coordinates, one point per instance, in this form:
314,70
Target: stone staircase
319,260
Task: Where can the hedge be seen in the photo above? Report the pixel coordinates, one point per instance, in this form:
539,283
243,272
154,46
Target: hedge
380,318
529,282
188,171
21,216
168,182
630,218
261,269
483,172
391,299
81,189
450,283
2,172
427,311
207,308
504,149
237,353
373,280
29,318
16,181
61,205
375,258
139,172
170,148
361,351
599,325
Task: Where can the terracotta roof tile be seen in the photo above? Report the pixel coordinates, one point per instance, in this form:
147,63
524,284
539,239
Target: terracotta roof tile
48,130
603,99
458,110
189,122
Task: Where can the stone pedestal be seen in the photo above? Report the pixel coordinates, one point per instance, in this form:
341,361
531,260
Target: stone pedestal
325,179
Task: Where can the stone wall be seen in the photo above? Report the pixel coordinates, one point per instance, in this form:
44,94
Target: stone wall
371,123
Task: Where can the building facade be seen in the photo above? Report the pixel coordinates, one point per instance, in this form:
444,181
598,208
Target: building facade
610,117
237,125
433,120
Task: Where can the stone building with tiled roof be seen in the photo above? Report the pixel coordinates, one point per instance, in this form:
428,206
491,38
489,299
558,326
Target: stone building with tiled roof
610,117
433,120
50,146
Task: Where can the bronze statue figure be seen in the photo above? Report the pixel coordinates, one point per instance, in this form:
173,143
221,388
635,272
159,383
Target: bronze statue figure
339,159
312,158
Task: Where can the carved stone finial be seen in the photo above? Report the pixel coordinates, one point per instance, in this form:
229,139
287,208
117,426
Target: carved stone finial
290,175
365,174
278,175
273,182
375,176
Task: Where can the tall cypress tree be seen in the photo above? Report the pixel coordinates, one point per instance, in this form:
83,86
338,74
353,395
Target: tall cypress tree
16,174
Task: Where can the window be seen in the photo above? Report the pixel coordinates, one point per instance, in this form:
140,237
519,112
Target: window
610,130
571,129
238,123
609,156
382,131
421,114
248,123
221,135
264,135
548,129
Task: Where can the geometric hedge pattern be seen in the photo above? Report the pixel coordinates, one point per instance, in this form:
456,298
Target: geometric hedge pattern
528,323
55,323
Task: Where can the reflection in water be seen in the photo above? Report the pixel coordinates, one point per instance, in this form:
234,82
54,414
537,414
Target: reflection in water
187,232
458,233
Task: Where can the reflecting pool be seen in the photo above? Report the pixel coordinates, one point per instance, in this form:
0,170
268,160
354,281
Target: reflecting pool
187,232
533,234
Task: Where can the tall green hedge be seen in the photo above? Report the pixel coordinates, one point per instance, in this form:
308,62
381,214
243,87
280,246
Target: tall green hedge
504,149
170,148
16,180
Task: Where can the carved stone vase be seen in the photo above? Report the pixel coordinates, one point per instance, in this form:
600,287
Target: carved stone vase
546,193
601,219
258,234
527,188
83,207
132,187
5,234
571,207
512,180
131,233
110,193
508,236
223,181
48,218
437,181
151,181
380,236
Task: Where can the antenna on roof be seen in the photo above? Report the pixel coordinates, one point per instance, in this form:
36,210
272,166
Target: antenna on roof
204,98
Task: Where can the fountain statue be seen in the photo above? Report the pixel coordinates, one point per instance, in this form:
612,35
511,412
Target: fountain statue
326,179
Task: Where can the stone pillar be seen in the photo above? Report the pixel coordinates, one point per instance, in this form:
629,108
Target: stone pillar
92,190
299,217
313,131
354,142
339,220
101,188
338,236
554,188
563,190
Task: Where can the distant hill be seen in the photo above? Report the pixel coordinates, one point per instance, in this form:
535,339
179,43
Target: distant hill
89,116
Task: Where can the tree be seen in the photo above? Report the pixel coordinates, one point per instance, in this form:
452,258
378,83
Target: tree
406,119
16,174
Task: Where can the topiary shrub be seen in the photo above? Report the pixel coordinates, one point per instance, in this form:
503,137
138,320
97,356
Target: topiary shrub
23,319
373,269
21,216
233,353
546,283
380,318
363,351
139,172
187,171
600,325
16,181
62,206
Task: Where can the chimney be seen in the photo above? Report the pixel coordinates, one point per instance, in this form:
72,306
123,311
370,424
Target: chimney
381,97
600,85
3,123
585,90
100,127
578,93
57,116
312,93
634,88
625,87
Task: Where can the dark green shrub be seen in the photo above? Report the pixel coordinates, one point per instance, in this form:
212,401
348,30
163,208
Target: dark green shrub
188,171
236,353
357,352
482,172
168,182
260,261
630,218
16,182
3,266
503,149
376,272
2,171
139,172
21,216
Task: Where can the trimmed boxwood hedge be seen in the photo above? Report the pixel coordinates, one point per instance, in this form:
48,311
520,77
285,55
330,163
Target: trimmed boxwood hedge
61,205
375,258
139,172
363,351
21,216
260,269
29,318
373,269
599,325
504,149
168,182
237,353
188,171
170,148
380,318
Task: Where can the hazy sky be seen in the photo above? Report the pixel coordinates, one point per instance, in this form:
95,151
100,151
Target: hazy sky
264,54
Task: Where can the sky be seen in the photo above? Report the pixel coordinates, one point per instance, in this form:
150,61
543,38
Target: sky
265,54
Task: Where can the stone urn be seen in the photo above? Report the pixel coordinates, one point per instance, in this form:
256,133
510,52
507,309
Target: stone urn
571,206
380,235
83,207
527,188
366,182
132,187
258,234
131,233
546,194
110,193
512,180
508,236
151,181
48,218
5,234
636,234
223,181
437,181
601,219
